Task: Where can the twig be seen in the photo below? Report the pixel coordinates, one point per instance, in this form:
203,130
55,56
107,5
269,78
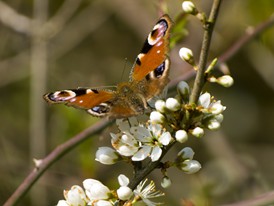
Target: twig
264,199
59,20
56,154
250,34
209,26
38,82
14,20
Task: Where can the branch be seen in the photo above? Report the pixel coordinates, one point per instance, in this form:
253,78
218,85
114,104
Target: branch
143,172
264,199
14,20
52,27
56,154
250,34
209,26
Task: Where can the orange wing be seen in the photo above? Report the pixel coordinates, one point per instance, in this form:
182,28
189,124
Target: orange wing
96,102
154,51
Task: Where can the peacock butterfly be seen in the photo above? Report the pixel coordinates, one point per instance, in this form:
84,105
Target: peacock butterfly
148,77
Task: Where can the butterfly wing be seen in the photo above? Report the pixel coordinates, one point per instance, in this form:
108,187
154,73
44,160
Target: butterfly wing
149,76
154,51
94,101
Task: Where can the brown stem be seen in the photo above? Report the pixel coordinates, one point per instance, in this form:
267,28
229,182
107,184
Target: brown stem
56,154
209,26
264,199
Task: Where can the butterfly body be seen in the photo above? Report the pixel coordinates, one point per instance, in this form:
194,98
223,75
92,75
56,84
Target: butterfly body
148,78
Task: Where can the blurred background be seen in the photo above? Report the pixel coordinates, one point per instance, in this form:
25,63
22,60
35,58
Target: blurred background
48,45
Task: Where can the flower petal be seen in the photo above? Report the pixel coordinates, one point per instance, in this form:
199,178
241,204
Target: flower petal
123,124
204,100
123,180
141,134
156,153
156,129
142,153
165,138
102,203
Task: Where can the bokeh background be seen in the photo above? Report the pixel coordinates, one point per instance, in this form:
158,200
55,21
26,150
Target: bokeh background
56,44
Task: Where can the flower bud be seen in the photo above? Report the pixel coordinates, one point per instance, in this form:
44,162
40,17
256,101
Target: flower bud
198,132
95,189
211,66
186,153
181,136
204,100
217,108
106,155
62,203
189,7
124,193
166,182
187,55
123,180
75,196
213,124
183,89
160,105
191,166
156,117
173,104
219,118
226,81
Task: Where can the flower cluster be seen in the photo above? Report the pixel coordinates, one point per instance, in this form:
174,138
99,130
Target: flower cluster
97,194
136,142
185,118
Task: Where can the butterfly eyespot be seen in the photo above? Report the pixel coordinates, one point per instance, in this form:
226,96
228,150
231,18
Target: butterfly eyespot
158,72
61,95
99,110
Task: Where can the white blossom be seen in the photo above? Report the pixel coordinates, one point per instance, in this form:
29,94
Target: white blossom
166,182
95,190
183,89
204,100
124,193
147,192
152,139
226,81
124,143
191,166
189,7
198,132
75,196
186,153
62,203
106,155
216,107
173,104
156,117
160,105
181,136
123,180
187,55
213,124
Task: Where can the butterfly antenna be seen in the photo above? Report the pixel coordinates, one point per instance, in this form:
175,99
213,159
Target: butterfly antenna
122,77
